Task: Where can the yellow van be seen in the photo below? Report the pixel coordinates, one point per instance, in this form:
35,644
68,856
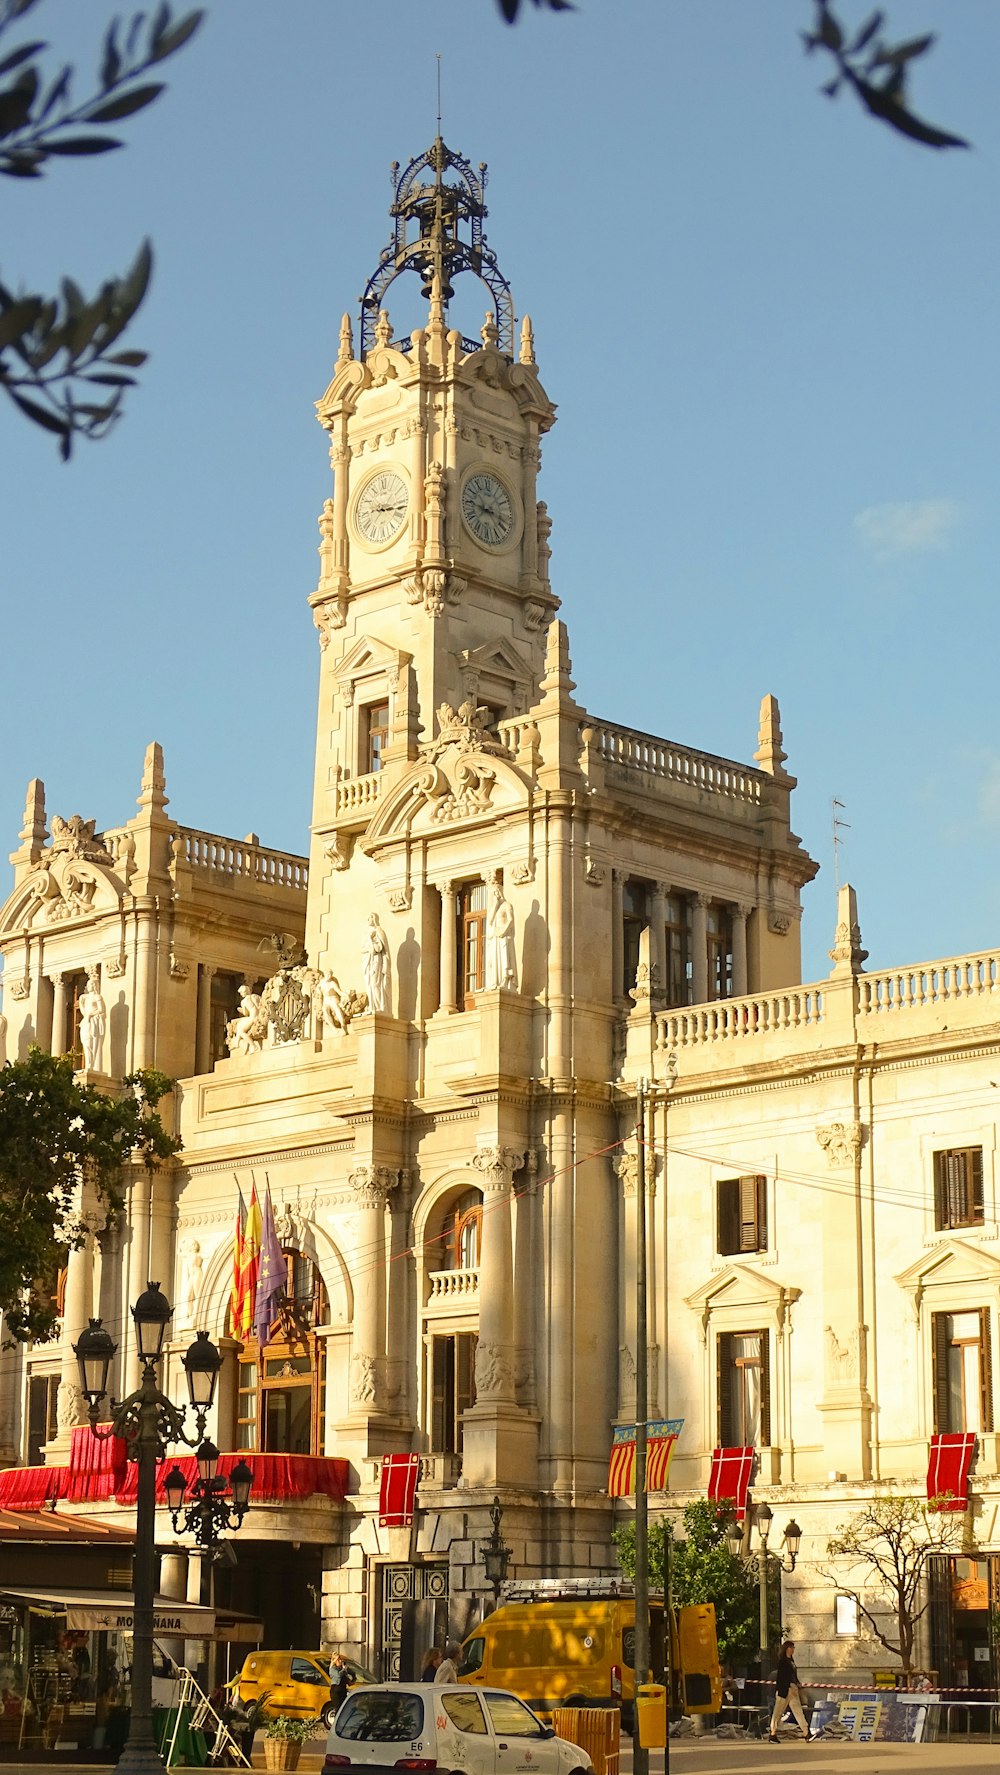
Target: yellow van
296,1683
578,1650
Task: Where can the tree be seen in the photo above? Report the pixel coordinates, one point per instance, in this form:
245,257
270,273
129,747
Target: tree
874,70
890,1542
57,358
700,1568
58,1136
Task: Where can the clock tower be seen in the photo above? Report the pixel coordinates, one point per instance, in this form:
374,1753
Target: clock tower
434,585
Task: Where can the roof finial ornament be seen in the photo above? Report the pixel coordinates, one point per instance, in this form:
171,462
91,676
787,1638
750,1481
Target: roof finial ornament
527,351
488,332
346,351
383,328
439,90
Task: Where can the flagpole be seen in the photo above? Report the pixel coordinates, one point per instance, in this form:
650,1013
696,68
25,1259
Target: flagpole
640,1756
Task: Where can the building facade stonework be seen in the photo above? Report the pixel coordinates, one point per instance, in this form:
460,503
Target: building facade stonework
425,1041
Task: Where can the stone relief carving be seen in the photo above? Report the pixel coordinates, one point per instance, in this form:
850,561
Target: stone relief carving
192,1275
626,1370
532,614
470,793
179,969
779,924
497,1165
19,989
400,899
115,968
364,1379
373,1184
328,616
465,727
842,1142
494,1371
433,587
627,1169
76,837
594,873
847,1363
376,967
501,956
523,872
93,1021
71,1406
337,850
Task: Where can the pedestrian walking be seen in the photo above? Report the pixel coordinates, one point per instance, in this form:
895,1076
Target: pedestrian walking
447,1670
786,1693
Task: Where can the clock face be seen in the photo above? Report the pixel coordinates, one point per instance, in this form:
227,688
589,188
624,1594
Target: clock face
488,509
381,509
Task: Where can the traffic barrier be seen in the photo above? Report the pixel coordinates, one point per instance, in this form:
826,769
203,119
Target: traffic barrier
596,1730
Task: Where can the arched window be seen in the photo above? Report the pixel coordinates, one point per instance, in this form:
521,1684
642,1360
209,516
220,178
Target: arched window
466,1232
280,1403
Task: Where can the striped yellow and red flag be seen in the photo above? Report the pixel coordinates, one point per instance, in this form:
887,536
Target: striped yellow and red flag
661,1435
249,1264
234,1292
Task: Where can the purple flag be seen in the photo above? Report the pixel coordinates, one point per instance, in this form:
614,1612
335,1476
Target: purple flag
272,1274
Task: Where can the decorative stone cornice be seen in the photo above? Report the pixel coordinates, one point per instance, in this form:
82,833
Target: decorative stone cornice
842,1142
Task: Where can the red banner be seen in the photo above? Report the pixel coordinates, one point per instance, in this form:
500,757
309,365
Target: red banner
729,1480
397,1490
948,1471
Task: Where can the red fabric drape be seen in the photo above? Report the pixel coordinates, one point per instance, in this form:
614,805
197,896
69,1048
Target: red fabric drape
97,1466
28,1488
948,1470
397,1490
729,1480
98,1471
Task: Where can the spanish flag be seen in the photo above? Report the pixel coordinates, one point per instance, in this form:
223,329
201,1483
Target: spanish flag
249,1263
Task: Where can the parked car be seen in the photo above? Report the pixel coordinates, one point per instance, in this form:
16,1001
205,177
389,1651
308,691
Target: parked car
446,1726
296,1683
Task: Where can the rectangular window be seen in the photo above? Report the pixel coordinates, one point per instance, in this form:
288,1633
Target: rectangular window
471,942
223,1004
743,1389
845,1616
741,1215
958,1187
453,1384
374,736
720,952
635,915
43,1392
678,950
963,1371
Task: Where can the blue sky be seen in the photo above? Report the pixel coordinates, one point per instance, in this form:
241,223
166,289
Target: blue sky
770,326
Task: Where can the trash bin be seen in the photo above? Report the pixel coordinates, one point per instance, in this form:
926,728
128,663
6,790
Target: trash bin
651,1715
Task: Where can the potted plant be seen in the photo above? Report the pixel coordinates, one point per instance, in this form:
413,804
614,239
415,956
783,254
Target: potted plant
284,1738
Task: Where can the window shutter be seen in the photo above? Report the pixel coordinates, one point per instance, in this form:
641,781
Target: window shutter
765,1389
441,1356
939,1372
986,1368
940,1192
976,1156
749,1239
724,1386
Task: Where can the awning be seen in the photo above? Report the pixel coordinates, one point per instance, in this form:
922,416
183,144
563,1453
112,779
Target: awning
948,1470
112,1611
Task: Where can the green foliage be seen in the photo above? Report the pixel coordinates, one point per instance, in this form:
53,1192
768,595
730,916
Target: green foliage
701,1568
876,71
55,1135
282,1725
889,1543
56,359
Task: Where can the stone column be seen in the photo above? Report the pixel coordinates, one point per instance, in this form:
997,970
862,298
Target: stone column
699,949
661,889
372,1185
529,494
143,1046
740,914
58,1015
626,1166
495,1350
203,1034
617,934
138,1212
449,957
78,1308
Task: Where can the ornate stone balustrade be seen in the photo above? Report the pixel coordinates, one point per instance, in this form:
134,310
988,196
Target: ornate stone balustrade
449,1285
735,1018
929,983
356,794
238,860
621,747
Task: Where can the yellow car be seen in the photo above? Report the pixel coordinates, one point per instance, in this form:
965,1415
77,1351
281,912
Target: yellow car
296,1683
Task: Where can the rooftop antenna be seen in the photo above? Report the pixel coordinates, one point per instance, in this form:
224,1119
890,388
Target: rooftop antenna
439,89
839,826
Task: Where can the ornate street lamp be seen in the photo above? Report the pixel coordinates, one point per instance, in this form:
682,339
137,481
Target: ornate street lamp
147,1421
216,1503
737,1544
496,1553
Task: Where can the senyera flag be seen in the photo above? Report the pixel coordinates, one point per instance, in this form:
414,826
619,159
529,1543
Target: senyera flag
661,1435
397,1490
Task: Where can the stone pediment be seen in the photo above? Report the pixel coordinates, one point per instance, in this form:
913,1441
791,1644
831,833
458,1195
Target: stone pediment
500,660
459,785
368,658
740,1286
948,1264
64,887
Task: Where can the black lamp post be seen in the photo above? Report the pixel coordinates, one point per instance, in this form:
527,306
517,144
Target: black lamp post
792,1540
496,1553
216,1503
147,1421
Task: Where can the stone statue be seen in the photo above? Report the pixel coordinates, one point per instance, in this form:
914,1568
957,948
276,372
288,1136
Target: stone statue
245,1032
501,962
376,967
330,1005
93,1020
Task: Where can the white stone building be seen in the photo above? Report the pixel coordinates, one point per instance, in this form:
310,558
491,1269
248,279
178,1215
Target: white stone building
512,911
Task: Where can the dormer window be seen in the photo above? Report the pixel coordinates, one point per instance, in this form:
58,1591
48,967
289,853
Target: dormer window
374,736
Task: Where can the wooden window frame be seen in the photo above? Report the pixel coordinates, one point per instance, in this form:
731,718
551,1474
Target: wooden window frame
958,1188
295,1335
452,1390
633,924
471,937
741,1215
719,947
677,951
942,1343
726,1365
371,753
